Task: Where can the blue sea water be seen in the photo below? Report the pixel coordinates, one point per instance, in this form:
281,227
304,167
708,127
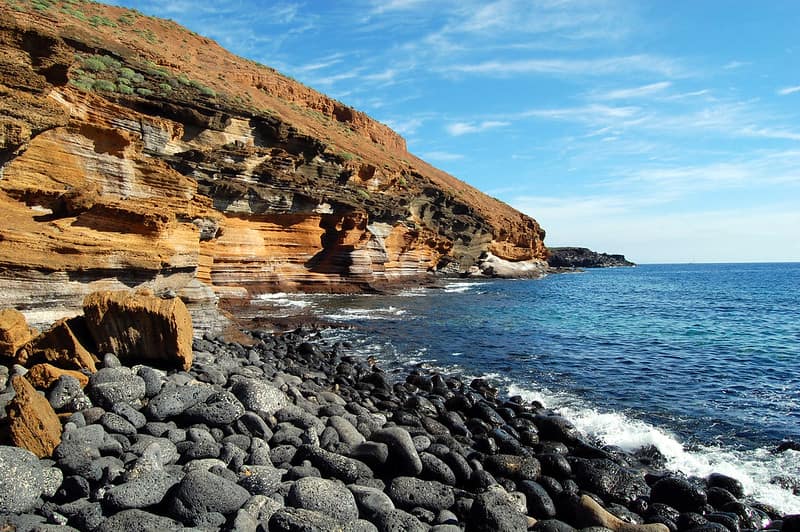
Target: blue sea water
701,360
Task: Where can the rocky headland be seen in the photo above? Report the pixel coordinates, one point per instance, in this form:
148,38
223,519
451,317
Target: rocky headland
572,257
135,426
136,153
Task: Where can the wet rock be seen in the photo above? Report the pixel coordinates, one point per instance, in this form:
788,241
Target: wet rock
717,480
679,493
21,480
495,509
514,467
540,504
557,428
589,513
609,480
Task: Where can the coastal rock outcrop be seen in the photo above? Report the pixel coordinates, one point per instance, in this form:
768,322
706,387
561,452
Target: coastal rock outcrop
140,326
135,153
568,257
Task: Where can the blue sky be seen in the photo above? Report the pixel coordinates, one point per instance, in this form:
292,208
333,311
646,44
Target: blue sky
668,131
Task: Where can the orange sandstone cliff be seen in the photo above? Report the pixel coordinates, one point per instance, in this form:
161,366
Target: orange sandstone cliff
134,152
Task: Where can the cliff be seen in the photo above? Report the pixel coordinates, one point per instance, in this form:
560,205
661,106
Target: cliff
135,153
567,257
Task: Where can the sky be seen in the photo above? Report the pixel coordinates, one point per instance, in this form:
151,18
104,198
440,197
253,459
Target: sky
667,131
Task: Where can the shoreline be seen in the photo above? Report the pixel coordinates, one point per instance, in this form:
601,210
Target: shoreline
426,452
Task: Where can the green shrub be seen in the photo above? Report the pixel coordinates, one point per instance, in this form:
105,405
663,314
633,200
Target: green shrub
207,91
125,89
93,64
98,20
104,85
84,84
123,81
184,80
77,13
42,5
144,91
166,88
110,62
127,73
127,19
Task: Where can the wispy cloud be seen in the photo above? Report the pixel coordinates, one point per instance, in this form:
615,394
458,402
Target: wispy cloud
789,90
441,156
462,128
584,67
733,65
635,92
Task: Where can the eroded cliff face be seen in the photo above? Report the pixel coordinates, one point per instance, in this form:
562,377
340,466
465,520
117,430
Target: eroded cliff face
135,153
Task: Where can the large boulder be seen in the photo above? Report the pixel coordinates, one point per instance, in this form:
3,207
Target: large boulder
32,422
140,326
14,332
60,346
43,376
21,480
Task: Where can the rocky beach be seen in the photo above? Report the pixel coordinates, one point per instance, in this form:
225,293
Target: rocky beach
147,429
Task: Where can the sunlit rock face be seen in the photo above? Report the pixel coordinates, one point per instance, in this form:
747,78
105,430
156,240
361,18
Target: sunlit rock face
153,158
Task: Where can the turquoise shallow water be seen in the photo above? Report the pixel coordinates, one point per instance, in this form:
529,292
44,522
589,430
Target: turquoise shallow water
701,360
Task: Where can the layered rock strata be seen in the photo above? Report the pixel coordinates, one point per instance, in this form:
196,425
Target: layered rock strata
134,153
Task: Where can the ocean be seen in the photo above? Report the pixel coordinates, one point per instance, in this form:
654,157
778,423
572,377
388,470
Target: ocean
700,360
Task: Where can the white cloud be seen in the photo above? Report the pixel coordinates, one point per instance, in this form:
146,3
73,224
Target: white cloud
462,128
441,156
789,90
635,92
610,224
661,66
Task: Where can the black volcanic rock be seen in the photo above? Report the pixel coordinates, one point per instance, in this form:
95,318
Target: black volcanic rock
584,258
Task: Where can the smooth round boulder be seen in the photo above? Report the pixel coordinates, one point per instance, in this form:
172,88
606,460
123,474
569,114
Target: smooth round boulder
302,520
201,492
21,480
679,493
325,496
399,521
402,452
718,480
495,509
137,521
114,385
259,396
371,502
409,492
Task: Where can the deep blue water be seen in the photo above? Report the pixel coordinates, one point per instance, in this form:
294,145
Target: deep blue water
701,358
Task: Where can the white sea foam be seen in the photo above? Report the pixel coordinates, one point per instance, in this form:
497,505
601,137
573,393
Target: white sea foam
754,468
459,287
358,314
